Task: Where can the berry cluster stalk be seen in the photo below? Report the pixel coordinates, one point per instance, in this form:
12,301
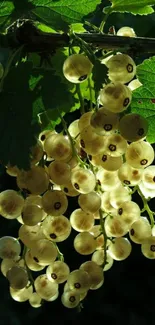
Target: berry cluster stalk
38,41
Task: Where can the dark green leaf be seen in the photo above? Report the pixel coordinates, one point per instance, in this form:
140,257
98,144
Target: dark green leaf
18,129
13,10
53,19
60,13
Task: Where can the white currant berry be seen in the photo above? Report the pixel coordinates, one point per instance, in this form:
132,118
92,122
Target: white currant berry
81,221
94,271
84,120
79,281
104,122
139,154
77,68
129,212
115,145
91,142
147,192
83,180
140,230
134,84
118,195
148,177
148,248
85,243
126,31
56,229
130,176
120,248
106,161
121,68
133,127
115,97
115,226
21,295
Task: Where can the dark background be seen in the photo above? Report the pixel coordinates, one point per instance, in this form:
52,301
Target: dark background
128,293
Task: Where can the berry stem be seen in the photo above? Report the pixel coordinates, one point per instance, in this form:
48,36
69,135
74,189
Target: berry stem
146,206
134,189
104,20
81,162
85,47
78,91
95,28
105,238
90,93
27,269
60,255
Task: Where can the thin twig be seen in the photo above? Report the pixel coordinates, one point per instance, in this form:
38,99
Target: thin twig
105,238
146,207
78,90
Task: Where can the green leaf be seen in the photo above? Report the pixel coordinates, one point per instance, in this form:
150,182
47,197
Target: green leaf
50,118
99,75
6,9
45,28
10,11
143,101
52,96
141,7
84,86
18,129
60,13
78,28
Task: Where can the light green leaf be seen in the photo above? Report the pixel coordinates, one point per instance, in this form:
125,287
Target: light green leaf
146,71
45,28
141,7
60,13
143,101
78,28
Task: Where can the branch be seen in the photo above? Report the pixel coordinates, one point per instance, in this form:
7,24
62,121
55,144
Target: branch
38,41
